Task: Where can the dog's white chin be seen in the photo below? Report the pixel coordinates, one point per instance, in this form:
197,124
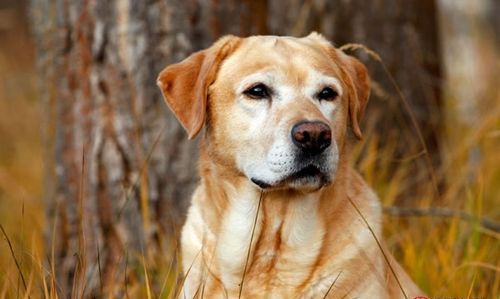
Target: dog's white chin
305,184
293,176
309,184
309,187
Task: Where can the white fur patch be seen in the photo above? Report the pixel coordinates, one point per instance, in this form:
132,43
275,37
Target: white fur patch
235,235
278,161
318,81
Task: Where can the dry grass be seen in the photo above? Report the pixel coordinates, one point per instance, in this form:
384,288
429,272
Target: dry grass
21,211
448,257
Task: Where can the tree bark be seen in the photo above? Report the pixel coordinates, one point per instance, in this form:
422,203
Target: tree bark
119,169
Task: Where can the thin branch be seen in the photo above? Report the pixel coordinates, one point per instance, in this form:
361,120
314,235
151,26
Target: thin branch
443,213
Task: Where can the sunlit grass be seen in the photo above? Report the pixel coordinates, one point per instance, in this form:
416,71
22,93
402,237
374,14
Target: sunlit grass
21,210
447,257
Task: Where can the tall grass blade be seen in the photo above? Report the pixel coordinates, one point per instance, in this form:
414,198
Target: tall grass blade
331,285
148,287
376,56
379,246
250,244
14,258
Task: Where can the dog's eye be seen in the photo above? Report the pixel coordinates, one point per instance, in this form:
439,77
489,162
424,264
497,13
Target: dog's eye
327,94
259,91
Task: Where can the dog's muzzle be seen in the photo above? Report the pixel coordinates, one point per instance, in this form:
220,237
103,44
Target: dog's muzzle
310,167
311,139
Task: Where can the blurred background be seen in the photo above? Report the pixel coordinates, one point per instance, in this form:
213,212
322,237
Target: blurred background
96,173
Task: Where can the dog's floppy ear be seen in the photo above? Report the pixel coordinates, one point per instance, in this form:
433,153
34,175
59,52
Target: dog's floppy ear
361,91
357,80
185,84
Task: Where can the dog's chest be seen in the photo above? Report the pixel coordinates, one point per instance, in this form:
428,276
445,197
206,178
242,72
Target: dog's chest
285,246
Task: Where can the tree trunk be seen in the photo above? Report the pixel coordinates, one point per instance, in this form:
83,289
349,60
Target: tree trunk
119,169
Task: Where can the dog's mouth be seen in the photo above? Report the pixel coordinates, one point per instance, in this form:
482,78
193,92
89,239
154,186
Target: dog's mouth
309,177
310,171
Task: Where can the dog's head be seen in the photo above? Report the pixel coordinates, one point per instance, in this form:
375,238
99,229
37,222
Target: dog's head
276,108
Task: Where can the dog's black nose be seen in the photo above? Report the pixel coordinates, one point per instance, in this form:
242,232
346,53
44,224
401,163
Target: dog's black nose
312,136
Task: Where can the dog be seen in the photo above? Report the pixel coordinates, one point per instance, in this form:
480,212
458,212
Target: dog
279,212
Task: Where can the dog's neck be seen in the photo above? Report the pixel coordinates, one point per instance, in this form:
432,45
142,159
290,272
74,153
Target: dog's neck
224,187
238,211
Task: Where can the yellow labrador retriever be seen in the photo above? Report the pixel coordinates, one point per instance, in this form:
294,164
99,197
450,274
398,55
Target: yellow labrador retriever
278,211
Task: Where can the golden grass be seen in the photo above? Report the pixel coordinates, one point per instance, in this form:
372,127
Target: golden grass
447,257
21,210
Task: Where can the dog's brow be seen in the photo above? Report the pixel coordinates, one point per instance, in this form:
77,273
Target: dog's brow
321,80
262,77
